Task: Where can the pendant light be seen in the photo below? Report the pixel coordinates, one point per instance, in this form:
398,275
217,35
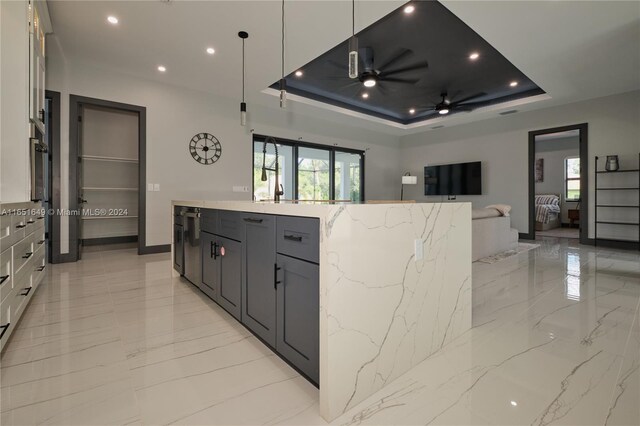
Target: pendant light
283,83
353,44
243,105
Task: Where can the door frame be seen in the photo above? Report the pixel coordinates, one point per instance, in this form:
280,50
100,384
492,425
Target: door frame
53,190
75,103
583,129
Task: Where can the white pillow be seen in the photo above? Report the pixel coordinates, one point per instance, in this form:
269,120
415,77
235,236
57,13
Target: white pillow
504,209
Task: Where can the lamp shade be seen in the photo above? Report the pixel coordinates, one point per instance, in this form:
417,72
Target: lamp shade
409,180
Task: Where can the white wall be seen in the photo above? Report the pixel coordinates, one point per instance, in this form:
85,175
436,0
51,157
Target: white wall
14,102
502,146
554,152
175,114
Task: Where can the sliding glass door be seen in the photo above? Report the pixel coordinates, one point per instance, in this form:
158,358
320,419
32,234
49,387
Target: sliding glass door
307,172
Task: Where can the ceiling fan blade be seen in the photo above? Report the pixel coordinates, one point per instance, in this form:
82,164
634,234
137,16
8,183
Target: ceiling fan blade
409,68
468,98
350,85
400,80
401,54
341,66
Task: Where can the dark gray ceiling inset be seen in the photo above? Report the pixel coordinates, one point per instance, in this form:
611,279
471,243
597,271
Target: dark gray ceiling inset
415,58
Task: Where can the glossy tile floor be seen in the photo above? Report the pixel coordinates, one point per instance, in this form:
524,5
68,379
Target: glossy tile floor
114,339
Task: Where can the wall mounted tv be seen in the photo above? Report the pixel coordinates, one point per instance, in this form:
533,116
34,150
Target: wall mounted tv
453,179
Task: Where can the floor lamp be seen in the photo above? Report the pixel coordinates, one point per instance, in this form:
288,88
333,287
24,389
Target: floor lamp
407,179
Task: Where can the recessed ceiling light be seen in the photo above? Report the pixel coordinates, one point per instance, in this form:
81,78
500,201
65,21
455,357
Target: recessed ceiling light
443,111
298,73
513,84
211,50
409,9
370,82
474,56
112,20
412,111
365,95
515,404
162,68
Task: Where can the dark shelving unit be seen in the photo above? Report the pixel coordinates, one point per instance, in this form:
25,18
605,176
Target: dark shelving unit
621,242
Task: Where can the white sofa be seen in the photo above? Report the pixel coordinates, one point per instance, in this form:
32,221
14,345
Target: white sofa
491,233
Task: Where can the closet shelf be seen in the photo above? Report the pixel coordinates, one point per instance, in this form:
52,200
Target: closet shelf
107,217
619,171
115,159
96,188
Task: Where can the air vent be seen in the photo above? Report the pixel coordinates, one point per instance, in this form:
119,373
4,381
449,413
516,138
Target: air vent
511,111
438,127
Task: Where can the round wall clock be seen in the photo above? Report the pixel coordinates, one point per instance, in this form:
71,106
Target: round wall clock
205,148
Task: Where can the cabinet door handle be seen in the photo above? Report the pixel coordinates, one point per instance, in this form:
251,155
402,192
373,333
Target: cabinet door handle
29,222
4,329
275,276
27,255
26,291
3,279
41,217
296,238
252,220
214,250
21,226
40,242
40,269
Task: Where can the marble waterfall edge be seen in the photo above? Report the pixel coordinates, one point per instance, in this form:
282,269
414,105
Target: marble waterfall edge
382,310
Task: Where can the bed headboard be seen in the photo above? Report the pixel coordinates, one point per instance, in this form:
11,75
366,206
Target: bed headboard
548,199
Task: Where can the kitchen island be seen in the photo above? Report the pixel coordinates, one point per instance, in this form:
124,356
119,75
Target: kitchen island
392,283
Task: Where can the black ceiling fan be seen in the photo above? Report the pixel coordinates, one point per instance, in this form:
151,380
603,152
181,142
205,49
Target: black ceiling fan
448,105
389,72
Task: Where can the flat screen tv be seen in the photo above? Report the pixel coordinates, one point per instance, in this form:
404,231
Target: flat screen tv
453,179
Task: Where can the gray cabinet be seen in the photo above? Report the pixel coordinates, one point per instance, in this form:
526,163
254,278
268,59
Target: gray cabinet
258,278
210,270
298,311
178,248
228,259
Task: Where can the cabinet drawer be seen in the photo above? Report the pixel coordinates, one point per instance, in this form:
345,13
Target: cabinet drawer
38,238
6,324
22,252
228,224
298,237
39,266
208,220
18,227
6,232
39,225
6,280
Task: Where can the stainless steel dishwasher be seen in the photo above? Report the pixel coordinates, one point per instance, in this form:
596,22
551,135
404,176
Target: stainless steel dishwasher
192,259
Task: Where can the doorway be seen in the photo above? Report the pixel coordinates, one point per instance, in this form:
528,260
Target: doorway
558,183
107,175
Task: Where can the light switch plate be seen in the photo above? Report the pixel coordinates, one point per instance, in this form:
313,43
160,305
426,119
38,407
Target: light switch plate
156,187
419,249
149,187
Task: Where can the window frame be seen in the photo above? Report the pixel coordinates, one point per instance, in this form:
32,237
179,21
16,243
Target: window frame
567,179
332,163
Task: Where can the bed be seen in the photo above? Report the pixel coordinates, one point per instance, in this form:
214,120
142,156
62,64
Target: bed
547,211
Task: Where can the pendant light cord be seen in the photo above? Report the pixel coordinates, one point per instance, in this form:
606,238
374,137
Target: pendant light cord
353,17
242,70
283,39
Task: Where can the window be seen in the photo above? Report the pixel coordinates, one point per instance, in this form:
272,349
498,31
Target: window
307,171
572,179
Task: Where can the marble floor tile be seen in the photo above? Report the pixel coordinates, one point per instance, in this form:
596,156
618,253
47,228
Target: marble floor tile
116,339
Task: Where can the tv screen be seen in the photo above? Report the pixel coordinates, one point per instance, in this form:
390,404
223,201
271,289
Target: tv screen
453,179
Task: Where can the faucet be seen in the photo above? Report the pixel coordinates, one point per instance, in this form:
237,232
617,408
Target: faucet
278,190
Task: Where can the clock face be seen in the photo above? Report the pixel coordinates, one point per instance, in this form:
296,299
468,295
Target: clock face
205,148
